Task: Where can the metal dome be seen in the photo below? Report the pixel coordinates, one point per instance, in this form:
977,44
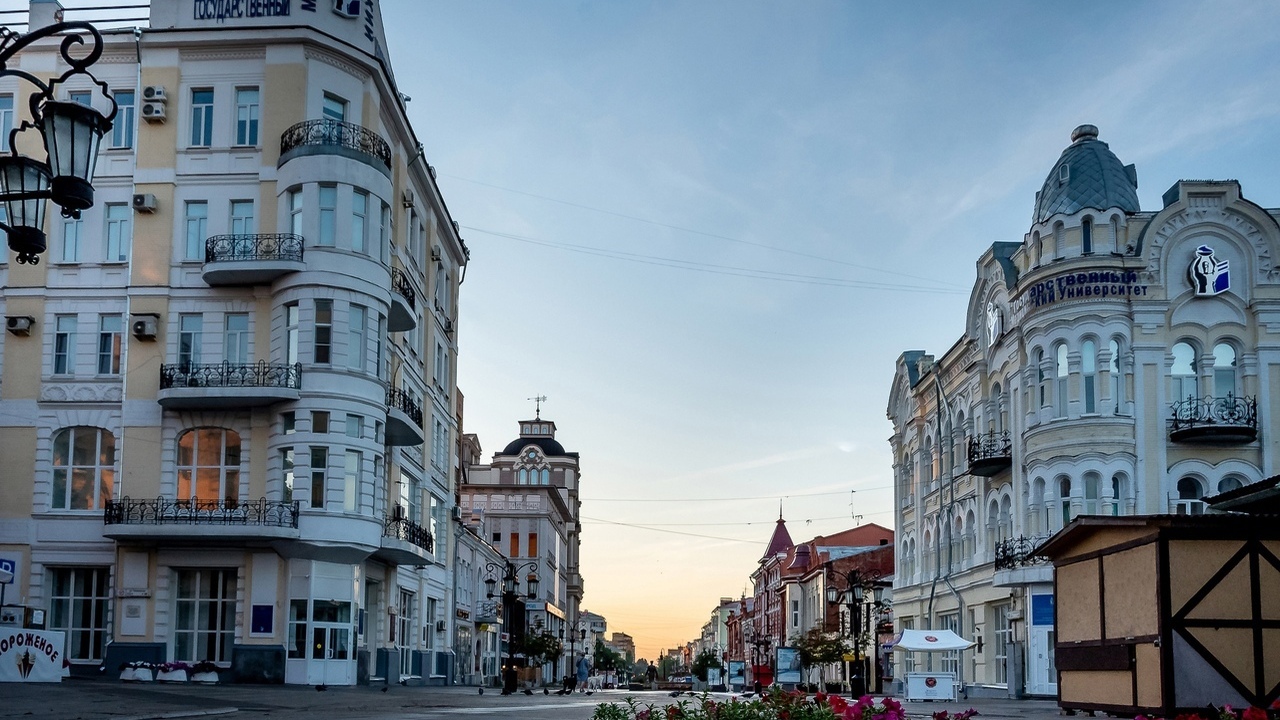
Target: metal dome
1088,175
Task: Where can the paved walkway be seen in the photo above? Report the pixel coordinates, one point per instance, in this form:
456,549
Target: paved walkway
78,699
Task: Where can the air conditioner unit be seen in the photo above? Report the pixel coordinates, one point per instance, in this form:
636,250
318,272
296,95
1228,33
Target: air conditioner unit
435,252
431,169
406,198
144,202
145,327
154,93
440,626
19,325
153,112
448,326
457,512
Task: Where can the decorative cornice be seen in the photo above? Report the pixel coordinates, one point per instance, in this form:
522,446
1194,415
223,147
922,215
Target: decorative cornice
87,392
237,54
328,58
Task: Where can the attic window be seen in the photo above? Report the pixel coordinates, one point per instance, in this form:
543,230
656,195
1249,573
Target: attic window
1064,173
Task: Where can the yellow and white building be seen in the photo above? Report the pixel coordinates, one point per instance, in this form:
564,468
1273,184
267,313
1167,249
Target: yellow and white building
1116,361
226,392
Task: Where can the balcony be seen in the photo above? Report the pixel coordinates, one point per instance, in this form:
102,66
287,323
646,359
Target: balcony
334,137
405,542
1019,552
203,520
990,454
1226,420
403,303
251,259
223,385
404,419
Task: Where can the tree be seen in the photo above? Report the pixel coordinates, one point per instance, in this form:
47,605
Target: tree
706,660
607,658
666,665
820,648
541,648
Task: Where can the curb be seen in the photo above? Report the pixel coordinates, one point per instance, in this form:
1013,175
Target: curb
185,714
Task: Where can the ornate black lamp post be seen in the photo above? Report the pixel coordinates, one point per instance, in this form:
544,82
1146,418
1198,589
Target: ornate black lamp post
853,593
71,133
510,591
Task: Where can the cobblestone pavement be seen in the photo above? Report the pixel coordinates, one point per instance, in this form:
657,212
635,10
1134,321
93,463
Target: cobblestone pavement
78,699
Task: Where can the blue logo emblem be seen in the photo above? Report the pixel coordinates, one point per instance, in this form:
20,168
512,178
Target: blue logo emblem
1209,276
347,8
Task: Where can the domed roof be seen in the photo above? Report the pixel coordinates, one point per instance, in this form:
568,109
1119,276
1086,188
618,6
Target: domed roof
550,446
1088,175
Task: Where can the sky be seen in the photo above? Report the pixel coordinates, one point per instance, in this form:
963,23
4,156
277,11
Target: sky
706,230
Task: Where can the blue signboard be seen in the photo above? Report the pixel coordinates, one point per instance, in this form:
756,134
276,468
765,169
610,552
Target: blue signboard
1042,610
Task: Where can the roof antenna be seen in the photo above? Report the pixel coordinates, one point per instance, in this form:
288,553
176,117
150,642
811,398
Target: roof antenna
537,409
780,510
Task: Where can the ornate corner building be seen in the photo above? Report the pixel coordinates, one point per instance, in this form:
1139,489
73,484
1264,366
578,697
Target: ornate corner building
1115,362
227,399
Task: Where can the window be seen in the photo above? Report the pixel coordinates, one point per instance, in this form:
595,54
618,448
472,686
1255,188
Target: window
291,333
1060,391
84,97
1064,499
1224,370
205,615
333,108
951,658
1058,244
295,212
1229,483
1086,237
190,331
246,116
320,421
236,347
533,544
6,120
432,610
197,228
119,232
795,615
1189,493
242,221
1091,493
209,465
514,541
1089,373
404,631
319,466
1041,381
442,288
126,115
908,658
110,336
442,366
438,518
78,607
359,222
440,445
357,348
201,118
288,423
72,230
84,468
324,332
351,481
328,212
1117,493
286,471
1186,384
384,233
64,345
355,426
1004,638
379,339
1113,369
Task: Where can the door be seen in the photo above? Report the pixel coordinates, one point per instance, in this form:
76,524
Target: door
1042,674
331,660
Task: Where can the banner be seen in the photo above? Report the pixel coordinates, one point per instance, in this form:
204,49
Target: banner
737,672
30,655
788,666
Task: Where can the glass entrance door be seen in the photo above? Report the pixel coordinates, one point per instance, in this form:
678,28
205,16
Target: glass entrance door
331,660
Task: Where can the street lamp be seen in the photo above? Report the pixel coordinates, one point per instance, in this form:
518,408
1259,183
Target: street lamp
510,586
856,582
71,133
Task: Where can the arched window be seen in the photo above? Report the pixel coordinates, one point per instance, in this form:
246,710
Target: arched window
1058,248
1060,391
1117,493
997,405
1086,237
209,465
1089,373
1064,498
993,525
1229,483
84,468
1035,508
947,446
1041,381
1005,525
1189,493
927,464
1224,370
969,542
957,544
928,554
1035,249
1113,370
544,476
1116,245
1186,384
1091,493
522,476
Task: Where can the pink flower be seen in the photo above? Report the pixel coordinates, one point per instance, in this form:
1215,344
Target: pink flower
1254,713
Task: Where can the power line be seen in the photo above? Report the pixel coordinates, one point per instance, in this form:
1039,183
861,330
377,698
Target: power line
672,532
749,522
723,499
714,269
699,232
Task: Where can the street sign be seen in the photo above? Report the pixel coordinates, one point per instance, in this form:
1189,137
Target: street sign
9,566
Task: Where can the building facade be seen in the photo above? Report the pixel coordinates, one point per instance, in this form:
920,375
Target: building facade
1116,361
527,500
226,417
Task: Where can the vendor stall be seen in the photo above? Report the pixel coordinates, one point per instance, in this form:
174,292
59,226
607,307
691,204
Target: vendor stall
930,685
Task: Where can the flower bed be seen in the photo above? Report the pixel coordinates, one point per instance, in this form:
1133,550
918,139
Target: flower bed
174,672
775,705
137,671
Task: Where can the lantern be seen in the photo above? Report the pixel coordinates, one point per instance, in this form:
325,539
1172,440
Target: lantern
72,133
25,185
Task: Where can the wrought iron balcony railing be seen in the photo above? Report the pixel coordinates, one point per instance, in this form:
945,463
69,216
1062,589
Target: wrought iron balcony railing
401,285
1215,419
402,528
262,374
1019,552
336,133
990,453
268,246
405,403
169,511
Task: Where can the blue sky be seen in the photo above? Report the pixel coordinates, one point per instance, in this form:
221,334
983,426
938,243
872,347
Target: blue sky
869,151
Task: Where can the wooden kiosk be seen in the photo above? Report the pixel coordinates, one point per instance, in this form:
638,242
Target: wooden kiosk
1162,614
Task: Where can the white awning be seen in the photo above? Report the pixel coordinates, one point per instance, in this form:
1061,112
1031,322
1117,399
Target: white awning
929,640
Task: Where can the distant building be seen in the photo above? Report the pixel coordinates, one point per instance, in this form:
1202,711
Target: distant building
624,645
1114,361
